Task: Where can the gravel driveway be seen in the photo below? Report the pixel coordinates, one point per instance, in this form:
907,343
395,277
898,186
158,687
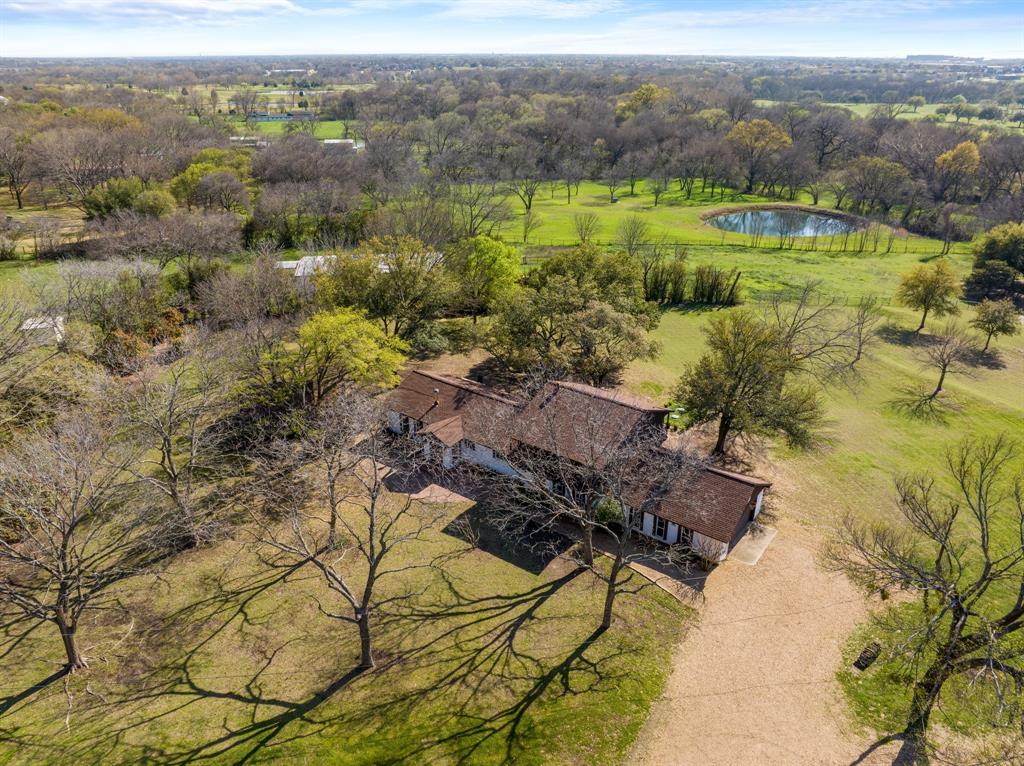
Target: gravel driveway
754,682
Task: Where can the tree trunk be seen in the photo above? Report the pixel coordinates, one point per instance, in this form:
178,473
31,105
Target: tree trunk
938,388
924,318
610,593
724,425
365,643
926,691
68,635
588,545
988,340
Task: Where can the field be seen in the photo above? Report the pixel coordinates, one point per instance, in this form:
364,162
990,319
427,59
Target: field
324,128
865,110
869,441
680,221
200,671
222,660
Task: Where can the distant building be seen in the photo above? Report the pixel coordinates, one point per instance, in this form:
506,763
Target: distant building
306,268
253,141
348,143
293,116
44,328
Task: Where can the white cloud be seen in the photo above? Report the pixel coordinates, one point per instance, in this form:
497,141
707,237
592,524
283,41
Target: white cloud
149,9
544,9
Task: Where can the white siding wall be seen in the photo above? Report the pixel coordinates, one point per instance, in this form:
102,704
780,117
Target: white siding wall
648,526
713,550
484,456
672,534
757,506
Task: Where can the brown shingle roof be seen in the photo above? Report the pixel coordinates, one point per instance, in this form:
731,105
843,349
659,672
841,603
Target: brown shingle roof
454,408
581,422
713,502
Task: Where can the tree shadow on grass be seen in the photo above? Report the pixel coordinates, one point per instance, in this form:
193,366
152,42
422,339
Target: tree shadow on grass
906,756
141,685
990,360
482,663
900,336
532,552
921,405
247,741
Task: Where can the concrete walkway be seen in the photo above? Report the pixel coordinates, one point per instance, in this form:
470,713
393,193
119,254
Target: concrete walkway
755,542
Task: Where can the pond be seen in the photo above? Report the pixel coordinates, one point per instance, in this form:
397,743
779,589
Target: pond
783,223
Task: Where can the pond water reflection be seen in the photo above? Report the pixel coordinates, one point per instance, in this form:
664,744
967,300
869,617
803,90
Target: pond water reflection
782,223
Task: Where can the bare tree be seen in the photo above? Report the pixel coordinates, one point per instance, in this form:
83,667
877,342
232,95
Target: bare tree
245,101
865,327
359,540
73,526
591,479
21,350
531,222
525,189
634,234
657,186
170,414
822,338
477,208
585,225
967,580
612,181
16,163
947,354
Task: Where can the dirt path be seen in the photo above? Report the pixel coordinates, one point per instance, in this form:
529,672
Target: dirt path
754,682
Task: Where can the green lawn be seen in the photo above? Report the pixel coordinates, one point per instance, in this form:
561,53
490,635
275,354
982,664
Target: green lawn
220,660
680,220
865,110
866,444
325,128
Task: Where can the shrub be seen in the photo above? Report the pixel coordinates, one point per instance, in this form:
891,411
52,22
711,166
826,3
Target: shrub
715,287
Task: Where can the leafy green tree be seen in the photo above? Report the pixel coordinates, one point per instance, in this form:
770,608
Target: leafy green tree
916,102
957,168
333,351
641,99
187,185
745,382
398,281
115,195
995,318
756,142
485,271
1002,243
932,289
581,313
992,279
155,203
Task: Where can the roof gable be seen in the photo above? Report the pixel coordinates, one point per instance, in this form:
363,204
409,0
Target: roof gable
455,408
581,422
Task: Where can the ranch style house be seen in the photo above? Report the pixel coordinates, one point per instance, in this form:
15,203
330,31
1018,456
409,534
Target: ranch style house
460,421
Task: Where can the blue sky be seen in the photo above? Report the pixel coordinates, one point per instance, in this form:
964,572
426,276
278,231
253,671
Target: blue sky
990,28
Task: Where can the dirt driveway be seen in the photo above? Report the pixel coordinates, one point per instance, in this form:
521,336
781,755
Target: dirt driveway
754,682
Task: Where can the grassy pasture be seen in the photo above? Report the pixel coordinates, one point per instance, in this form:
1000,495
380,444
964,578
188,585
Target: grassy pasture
223,661
768,267
867,442
865,109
